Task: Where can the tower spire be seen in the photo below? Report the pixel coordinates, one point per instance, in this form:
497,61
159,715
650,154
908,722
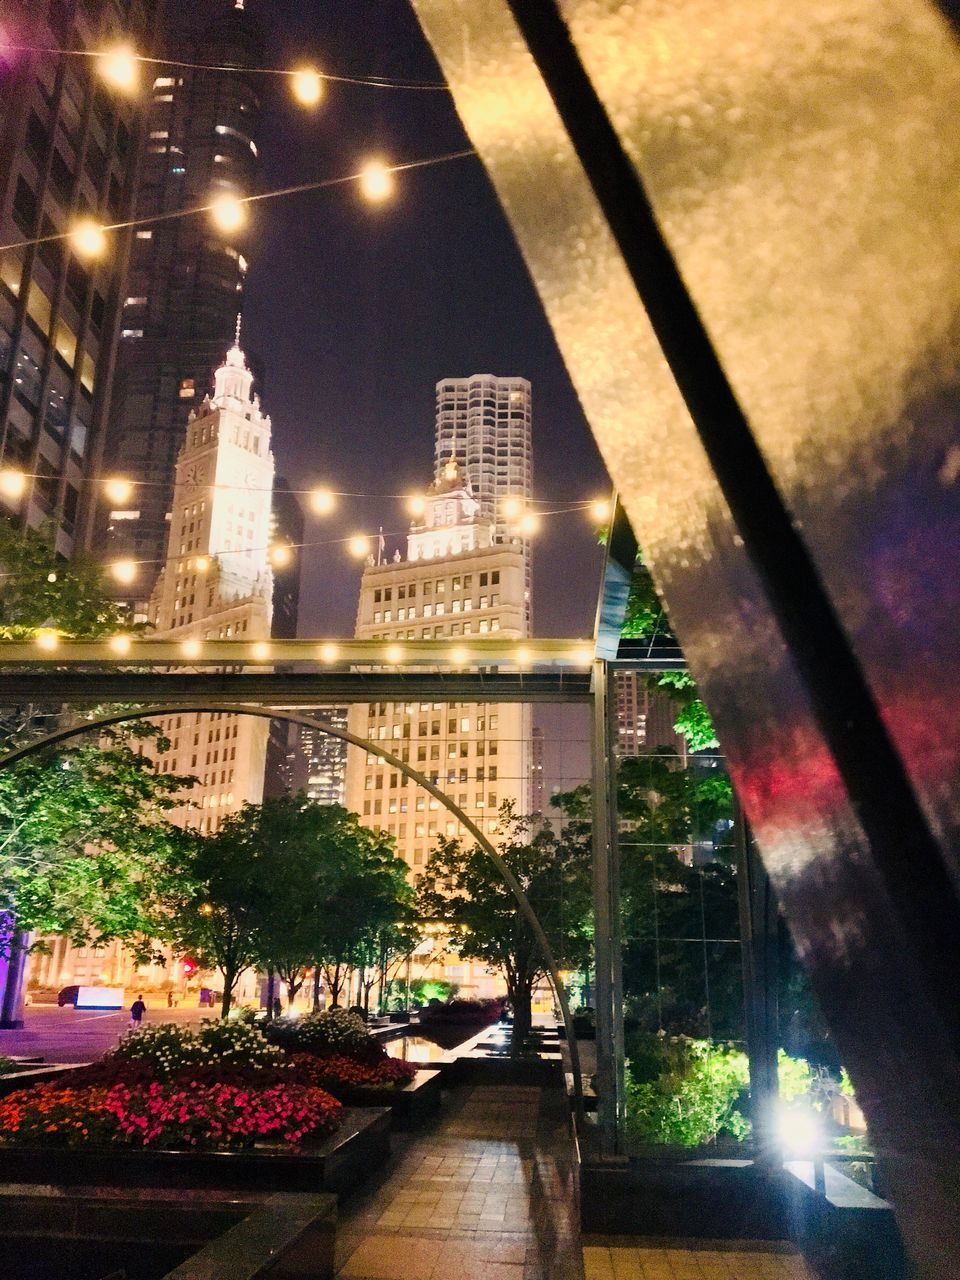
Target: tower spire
236,336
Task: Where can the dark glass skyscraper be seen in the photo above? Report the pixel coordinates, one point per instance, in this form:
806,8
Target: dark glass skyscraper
185,283
68,152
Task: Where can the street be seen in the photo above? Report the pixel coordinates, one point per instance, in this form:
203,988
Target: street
80,1035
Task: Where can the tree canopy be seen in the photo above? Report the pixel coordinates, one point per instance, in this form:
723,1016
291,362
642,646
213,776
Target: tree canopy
462,888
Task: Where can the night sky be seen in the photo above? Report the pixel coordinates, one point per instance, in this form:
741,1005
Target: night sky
356,311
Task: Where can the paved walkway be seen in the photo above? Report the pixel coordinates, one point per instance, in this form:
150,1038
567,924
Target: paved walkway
627,1258
487,1195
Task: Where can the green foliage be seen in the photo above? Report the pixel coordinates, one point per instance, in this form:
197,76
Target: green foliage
6,1065
684,1092
82,831
795,1076
333,1031
846,1084
74,603
462,888
168,1048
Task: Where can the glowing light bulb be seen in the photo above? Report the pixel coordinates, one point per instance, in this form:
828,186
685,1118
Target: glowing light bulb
260,650
600,511
328,652
13,483
119,644
512,508
528,524
307,86
120,68
191,648
523,657
228,213
201,564
124,571
459,657
416,504
51,577
46,638
206,909
280,555
359,546
376,181
394,653
88,239
799,1130
583,657
118,490
322,501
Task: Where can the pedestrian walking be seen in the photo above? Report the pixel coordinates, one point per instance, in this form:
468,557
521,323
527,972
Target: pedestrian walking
137,1010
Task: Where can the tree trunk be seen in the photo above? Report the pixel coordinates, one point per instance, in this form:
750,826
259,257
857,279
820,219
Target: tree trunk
316,989
229,982
521,997
270,990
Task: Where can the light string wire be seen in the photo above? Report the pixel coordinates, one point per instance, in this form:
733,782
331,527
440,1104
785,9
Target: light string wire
372,82
300,188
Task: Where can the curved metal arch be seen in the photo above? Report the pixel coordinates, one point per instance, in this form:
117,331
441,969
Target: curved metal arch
294,717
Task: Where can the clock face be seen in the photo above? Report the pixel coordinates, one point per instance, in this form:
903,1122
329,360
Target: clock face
249,479
195,473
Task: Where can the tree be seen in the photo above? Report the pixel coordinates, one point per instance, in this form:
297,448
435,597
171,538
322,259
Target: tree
462,888
81,831
681,958
285,884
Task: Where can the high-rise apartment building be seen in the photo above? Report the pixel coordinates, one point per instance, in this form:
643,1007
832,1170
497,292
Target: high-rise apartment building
286,537
644,718
485,424
456,582
217,583
68,152
185,279
324,770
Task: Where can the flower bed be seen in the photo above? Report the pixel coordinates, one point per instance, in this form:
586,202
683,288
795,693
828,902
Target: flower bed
463,1012
339,1071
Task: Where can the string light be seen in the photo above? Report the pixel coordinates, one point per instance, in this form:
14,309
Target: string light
51,577
416,504
394,653
512,508
120,644
376,181
118,66
228,213
583,657
528,524
359,546
201,564
322,501
118,489
280,555
523,657
307,85
459,656
329,652
191,648
125,571
260,650
47,639
88,239
13,483
600,511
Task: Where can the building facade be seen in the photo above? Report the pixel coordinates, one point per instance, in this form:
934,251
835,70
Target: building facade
217,582
324,767
68,151
644,718
286,537
456,581
485,423
185,280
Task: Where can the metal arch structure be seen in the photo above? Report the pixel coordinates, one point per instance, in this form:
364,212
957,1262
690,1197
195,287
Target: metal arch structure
295,717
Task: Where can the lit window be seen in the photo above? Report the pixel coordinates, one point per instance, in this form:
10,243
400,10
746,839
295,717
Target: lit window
163,97
131,333
163,82
144,235
134,302
160,133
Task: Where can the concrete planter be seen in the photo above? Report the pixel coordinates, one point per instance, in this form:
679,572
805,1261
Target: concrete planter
410,1106
335,1164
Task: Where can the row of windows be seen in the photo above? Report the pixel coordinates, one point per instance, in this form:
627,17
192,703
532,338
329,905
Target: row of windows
438,610
379,709
460,582
484,626
380,781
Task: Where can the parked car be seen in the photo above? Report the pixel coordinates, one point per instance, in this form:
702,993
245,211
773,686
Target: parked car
67,995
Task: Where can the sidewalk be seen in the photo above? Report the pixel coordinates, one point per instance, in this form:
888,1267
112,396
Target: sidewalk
487,1195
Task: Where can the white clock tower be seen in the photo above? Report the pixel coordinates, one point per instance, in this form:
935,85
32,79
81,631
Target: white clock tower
216,582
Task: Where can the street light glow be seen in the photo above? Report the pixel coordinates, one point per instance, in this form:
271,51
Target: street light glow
125,571
322,501
280,555
394,653
459,657
359,546
228,213
523,657
416,504
119,67
307,85
328,652
260,650
88,239
376,181
13,483
120,644
600,511
118,489
799,1130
